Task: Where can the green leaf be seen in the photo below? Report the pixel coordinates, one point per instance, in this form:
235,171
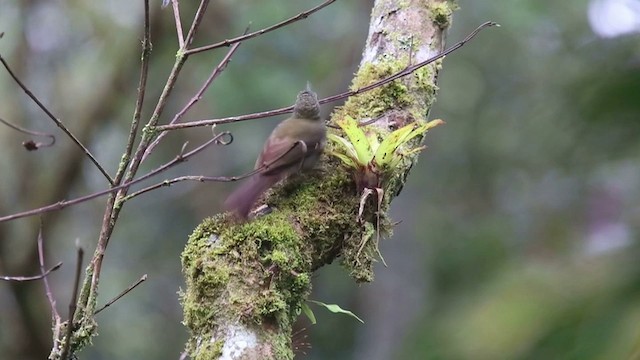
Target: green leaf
336,309
401,155
386,153
349,156
374,143
357,138
307,311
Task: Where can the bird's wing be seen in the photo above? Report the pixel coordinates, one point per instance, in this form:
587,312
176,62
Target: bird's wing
279,153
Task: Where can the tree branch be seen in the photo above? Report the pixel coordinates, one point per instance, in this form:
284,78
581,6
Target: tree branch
245,283
72,304
31,278
228,42
176,15
142,85
285,110
197,97
31,145
66,203
56,120
125,292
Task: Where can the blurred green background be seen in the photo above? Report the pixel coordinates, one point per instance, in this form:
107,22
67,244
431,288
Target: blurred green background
519,232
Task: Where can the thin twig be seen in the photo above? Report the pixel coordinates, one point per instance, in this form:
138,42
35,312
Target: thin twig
56,320
49,293
197,20
56,120
114,202
202,178
228,42
113,205
65,203
31,278
410,69
31,145
337,97
142,85
199,178
125,292
181,59
72,304
176,15
197,97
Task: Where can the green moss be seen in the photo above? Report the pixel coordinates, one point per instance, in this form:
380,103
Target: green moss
208,350
149,131
415,93
372,103
281,348
405,100
259,272
216,349
441,12
124,160
224,263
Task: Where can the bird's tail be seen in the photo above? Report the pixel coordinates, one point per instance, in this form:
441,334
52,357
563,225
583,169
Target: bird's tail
243,198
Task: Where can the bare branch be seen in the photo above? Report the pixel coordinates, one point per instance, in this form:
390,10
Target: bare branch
197,97
65,203
202,178
43,273
199,178
344,95
142,85
56,120
197,19
176,15
52,301
125,292
410,69
31,145
31,278
55,316
72,303
226,120
228,42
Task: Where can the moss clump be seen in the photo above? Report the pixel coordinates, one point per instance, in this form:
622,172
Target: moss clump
441,13
149,131
415,93
208,350
373,103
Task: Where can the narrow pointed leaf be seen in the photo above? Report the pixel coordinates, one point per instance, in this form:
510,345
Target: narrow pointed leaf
343,144
309,313
337,309
386,151
357,138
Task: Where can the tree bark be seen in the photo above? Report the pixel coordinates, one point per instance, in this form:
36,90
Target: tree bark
246,283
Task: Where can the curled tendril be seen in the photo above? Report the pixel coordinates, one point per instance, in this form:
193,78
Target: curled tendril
31,145
224,138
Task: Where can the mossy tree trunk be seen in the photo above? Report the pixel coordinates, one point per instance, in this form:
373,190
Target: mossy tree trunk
246,282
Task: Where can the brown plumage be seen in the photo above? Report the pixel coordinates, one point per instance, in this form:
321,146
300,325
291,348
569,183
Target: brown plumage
294,145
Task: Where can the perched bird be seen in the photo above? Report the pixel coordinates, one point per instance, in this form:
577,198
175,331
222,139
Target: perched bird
294,145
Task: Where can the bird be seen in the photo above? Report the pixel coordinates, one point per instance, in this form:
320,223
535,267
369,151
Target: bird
295,145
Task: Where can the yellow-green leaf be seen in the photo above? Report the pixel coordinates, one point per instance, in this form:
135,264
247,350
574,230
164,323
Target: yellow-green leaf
386,152
357,138
342,143
387,148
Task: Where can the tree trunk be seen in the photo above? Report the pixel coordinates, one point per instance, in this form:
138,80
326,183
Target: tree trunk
246,283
